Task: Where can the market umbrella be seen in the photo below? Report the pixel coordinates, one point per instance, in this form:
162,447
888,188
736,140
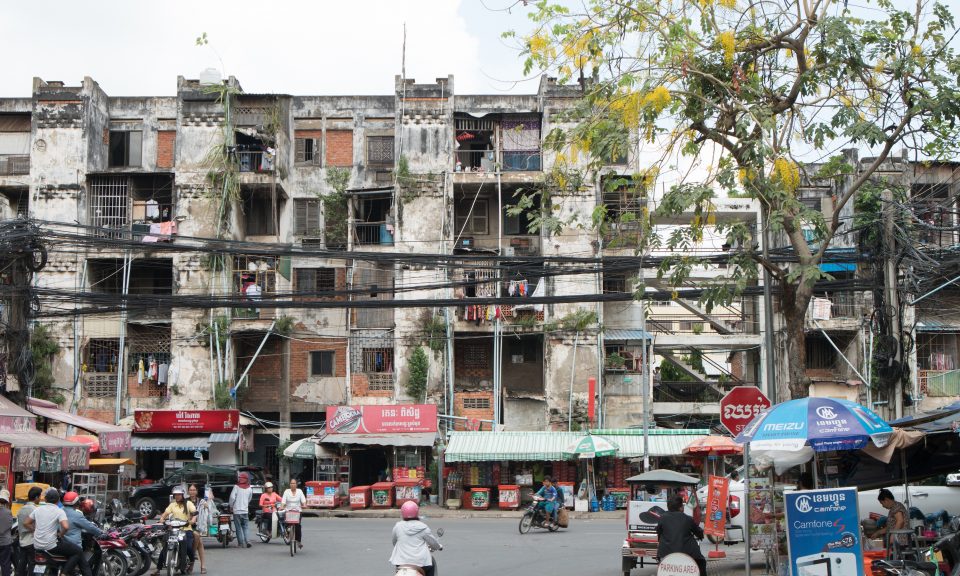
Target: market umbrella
590,446
713,446
823,424
307,449
91,441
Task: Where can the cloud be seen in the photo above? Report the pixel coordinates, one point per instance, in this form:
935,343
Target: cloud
139,48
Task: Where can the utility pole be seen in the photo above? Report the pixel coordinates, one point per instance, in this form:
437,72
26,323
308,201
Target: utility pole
892,295
769,352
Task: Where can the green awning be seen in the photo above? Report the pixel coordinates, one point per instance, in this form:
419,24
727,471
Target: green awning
549,446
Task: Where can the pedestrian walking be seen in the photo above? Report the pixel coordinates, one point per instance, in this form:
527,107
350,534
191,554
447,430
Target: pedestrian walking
6,538
240,504
202,506
25,560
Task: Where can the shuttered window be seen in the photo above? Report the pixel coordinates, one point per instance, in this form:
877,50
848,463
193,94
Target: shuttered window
380,150
307,217
307,151
315,280
322,363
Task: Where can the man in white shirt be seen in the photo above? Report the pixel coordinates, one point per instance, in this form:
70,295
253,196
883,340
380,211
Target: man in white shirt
240,504
293,499
49,523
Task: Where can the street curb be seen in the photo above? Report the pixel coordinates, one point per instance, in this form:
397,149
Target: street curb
436,512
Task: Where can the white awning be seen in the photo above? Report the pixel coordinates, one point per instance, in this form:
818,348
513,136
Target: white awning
170,442
397,439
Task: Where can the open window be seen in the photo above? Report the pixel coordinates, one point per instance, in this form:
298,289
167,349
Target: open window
323,363
261,211
125,148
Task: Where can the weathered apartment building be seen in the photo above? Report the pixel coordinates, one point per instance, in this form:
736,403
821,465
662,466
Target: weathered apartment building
427,171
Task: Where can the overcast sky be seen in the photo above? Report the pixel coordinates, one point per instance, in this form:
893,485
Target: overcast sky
137,48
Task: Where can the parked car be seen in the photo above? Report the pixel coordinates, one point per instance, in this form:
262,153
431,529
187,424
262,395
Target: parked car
953,479
150,499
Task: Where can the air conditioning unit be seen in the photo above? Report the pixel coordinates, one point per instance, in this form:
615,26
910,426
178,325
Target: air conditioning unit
465,243
311,241
508,251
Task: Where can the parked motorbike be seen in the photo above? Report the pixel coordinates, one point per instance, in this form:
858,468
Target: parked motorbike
113,561
409,570
141,557
224,529
265,529
537,517
948,546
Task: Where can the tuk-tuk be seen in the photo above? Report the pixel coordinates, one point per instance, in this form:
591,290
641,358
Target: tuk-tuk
649,493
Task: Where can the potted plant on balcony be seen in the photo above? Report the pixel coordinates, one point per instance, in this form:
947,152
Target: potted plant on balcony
615,361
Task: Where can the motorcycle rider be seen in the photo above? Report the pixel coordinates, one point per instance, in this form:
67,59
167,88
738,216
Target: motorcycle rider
412,541
179,509
48,523
548,495
268,505
78,526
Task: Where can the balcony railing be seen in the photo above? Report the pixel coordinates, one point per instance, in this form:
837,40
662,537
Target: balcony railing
255,161
835,306
939,383
14,164
490,160
372,234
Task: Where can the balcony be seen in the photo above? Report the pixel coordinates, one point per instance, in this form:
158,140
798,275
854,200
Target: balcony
257,161
100,384
939,383
14,164
372,234
493,161
838,311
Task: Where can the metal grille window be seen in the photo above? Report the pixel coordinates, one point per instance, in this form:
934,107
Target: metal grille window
380,150
378,359
476,403
937,352
322,363
315,281
148,344
126,148
109,202
820,355
307,151
103,354
307,217
614,283
476,355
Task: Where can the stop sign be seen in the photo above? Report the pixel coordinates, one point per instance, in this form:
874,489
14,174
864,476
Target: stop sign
740,405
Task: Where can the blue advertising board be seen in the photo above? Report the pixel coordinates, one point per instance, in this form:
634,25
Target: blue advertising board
823,534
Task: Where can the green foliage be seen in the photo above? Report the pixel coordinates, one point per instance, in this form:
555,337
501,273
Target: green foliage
670,372
44,348
615,361
403,168
219,328
221,395
284,325
434,328
281,447
759,96
579,321
419,369
335,208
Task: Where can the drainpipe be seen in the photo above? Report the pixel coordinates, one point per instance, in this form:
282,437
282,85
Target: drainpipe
121,371
573,366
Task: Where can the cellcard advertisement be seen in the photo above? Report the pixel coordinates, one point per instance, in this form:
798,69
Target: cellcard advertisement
822,533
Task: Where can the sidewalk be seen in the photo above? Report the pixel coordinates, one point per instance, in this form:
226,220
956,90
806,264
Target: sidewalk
438,512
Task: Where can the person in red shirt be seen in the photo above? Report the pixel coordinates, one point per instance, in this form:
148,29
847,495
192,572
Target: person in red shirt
268,505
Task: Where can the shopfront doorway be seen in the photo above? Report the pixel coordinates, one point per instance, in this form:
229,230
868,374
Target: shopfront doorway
368,466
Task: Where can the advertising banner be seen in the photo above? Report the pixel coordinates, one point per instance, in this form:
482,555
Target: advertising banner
715,522
6,459
381,419
113,442
823,533
75,458
186,421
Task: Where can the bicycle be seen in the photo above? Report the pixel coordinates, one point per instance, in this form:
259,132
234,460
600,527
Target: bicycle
291,521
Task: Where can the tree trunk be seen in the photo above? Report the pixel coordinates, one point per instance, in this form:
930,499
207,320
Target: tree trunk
794,301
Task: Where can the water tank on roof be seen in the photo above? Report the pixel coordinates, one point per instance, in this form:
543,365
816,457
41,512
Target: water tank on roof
210,77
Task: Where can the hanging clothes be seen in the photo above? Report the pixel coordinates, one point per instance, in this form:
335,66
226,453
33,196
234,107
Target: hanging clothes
153,209
152,368
140,371
162,373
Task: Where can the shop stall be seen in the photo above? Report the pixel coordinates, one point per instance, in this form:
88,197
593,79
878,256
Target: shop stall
385,448
515,463
27,454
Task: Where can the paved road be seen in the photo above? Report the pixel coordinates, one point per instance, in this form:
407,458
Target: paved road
472,547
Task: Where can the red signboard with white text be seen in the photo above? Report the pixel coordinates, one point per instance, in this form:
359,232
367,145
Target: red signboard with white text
6,474
186,421
381,419
740,406
714,524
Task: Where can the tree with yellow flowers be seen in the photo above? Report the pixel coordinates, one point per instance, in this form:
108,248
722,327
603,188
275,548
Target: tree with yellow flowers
775,87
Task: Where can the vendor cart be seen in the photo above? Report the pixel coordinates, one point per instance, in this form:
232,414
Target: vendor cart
649,493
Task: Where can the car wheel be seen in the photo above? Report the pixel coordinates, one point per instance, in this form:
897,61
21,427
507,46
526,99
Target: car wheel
147,507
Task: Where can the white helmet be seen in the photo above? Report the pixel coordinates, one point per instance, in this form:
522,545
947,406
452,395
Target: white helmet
178,490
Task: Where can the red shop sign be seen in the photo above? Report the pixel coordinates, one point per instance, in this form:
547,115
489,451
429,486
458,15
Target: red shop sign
6,457
186,421
381,419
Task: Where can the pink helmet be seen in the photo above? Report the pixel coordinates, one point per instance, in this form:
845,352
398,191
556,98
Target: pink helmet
410,511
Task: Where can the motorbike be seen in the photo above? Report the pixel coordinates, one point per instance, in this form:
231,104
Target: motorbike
537,517
141,554
948,546
177,554
224,528
113,562
264,530
409,570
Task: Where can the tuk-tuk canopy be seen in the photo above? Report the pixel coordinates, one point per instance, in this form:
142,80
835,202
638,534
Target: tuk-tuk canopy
661,477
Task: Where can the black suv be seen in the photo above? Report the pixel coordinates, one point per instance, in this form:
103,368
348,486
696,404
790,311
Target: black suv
150,499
